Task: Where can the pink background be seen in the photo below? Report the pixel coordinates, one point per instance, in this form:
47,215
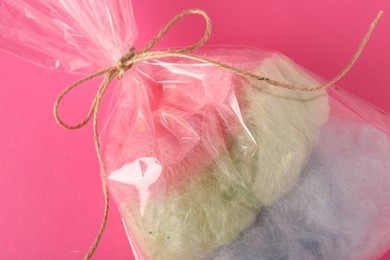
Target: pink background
50,193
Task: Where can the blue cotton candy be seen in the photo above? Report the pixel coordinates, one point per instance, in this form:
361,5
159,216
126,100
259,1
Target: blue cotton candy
340,208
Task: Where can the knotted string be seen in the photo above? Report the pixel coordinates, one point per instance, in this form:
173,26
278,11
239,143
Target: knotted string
134,56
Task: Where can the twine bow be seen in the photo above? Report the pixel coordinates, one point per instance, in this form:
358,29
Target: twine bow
134,56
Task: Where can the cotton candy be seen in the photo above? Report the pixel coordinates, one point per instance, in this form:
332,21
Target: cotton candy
251,144
340,208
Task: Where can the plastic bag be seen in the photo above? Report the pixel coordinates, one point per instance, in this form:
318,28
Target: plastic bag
193,153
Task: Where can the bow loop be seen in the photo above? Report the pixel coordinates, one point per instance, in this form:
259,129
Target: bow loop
174,20
66,91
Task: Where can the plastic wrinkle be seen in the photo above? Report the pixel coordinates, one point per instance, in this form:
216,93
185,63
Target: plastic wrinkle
69,35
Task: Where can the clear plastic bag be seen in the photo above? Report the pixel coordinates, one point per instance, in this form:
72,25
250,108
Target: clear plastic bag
194,153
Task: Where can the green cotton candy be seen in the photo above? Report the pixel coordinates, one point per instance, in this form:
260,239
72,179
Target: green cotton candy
212,207
197,216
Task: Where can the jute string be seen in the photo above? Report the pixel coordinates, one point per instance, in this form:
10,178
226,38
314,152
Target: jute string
134,56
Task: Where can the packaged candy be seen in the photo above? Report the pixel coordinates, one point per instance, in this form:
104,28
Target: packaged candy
208,150
199,149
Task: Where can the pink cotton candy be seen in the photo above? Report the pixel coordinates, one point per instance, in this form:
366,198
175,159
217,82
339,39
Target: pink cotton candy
181,117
